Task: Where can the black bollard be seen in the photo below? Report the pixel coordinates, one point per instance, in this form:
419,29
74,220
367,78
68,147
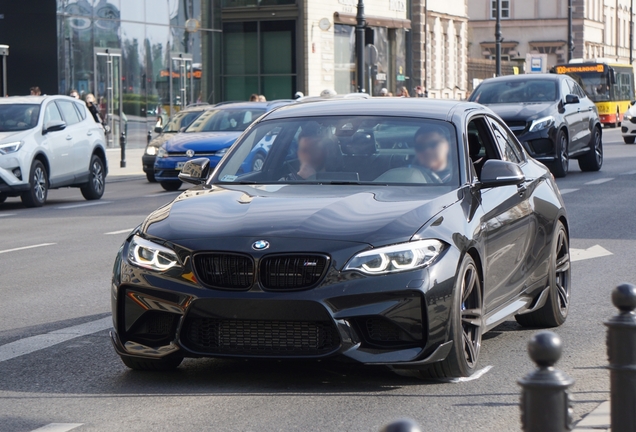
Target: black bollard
149,137
404,425
621,351
545,400
122,144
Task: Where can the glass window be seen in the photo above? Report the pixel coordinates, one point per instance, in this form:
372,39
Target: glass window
70,114
51,113
344,58
181,120
18,117
225,120
81,110
240,50
505,9
516,91
507,145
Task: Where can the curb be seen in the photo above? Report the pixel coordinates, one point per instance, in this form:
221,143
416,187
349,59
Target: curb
597,420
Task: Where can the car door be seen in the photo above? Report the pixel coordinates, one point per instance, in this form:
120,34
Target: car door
59,147
588,111
506,225
76,134
572,116
582,136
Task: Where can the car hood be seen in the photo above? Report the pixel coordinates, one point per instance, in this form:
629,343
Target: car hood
161,139
201,141
375,215
523,111
6,137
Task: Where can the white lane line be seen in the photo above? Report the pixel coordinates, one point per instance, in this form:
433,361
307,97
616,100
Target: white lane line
480,373
119,232
58,427
90,204
26,247
567,191
595,251
40,342
599,181
628,173
7,214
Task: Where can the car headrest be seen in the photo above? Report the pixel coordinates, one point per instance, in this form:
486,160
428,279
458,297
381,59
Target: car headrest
361,143
474,146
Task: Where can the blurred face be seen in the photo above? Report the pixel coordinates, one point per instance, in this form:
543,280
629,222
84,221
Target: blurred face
431,151
311,152
75,95
90,99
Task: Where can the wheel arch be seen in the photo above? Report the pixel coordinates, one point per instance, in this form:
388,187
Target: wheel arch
99,152
45,161
474,254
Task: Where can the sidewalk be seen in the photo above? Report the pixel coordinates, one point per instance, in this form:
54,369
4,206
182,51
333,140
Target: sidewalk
134,167
598,420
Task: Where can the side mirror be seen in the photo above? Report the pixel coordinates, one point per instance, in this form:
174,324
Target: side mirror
633,102
158,129
54,125
612,76
571,99
195,171
497,173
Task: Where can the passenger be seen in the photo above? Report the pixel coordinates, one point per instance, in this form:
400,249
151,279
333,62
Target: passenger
432,151
312,155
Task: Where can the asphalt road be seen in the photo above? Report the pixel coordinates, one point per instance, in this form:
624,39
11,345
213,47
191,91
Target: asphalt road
57,295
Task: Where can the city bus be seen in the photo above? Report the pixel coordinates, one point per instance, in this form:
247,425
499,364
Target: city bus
610,85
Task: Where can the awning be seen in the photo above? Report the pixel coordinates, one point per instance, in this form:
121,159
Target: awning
373,21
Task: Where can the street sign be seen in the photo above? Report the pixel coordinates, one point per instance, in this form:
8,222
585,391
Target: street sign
536,63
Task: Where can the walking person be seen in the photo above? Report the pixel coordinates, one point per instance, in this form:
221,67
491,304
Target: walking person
35,91
74,94
90,104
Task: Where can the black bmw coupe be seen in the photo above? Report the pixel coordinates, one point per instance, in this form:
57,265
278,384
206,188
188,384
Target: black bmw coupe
388,231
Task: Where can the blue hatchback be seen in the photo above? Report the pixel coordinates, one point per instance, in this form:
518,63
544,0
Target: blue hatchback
210,135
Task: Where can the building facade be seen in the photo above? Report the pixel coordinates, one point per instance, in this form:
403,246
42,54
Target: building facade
600,29
440,47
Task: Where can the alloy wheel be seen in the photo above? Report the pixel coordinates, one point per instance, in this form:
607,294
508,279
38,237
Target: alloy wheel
471,315
258,164
598,147
98,177
564,153
562,270
39,184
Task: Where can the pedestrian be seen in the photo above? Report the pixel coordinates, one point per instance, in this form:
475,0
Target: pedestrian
90,104
384,92
35,91
254,97
74,94
261,98
403,92
327,93
299,95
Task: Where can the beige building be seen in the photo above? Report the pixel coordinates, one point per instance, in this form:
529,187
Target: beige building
600,29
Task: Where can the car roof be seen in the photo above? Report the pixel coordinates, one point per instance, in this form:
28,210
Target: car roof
32,99
269,105
548,76
380,106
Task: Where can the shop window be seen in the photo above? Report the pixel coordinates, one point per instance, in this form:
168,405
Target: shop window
344,58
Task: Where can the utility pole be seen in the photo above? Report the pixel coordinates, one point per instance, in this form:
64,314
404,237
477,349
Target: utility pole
570,35
360,25
425,46
498,40
631,32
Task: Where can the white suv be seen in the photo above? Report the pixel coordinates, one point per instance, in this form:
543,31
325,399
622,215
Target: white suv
48,142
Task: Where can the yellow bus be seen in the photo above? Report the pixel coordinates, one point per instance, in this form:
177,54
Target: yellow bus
609,85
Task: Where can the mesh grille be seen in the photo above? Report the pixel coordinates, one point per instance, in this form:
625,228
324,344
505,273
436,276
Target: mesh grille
259,337
383,331
224,270
280,273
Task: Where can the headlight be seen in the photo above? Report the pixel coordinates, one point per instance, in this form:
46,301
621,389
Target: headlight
396,258
146,254
162,153
542,123
151,150
221,152
10,147
627,116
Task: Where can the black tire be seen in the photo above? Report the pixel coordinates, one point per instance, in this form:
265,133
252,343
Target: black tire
561,164
150,176
3,198
466,325
257,162
158,365
555,311
171,186
593,160
38,186
629,139
94,189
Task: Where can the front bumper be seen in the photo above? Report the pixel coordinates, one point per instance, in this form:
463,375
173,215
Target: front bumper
148,162
11,185
400,320
540,144
628,127
166,168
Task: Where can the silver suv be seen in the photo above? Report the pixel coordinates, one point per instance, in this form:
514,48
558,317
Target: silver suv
48,142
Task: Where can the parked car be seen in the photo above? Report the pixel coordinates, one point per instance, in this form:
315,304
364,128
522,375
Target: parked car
177,123
48,142
401,256
628,127
210,135
551,115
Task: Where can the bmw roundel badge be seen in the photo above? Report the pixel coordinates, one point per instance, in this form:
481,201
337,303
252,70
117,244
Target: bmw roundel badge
260,245
190,153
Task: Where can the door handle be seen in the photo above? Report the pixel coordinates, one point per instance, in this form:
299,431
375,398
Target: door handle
89,133
68,137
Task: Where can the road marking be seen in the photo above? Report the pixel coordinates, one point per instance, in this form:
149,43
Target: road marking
40,342
160,194
90,204
567,191
480,373
7,214
26,247
628,173
595,251
599,181
58,427
119,232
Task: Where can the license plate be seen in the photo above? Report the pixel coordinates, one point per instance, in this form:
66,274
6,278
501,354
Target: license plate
180,165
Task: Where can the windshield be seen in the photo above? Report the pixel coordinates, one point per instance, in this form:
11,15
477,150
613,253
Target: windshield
219,120
18,117
181,120
517,91
345,150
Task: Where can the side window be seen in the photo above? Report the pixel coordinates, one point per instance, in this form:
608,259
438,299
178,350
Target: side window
480,144
70,114
51,113
81,110
507,145
579,91
565,89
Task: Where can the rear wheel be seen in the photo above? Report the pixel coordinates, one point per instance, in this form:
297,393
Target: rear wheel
160,365
593,160
561,164
171,186
629,139
94,188
3,198
556,308
151,177
38,186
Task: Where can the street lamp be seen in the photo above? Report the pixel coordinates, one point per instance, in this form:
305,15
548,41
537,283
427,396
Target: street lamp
360,25
631,32
570,35
498,40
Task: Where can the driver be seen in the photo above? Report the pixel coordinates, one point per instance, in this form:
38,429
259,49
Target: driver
432,151
312,154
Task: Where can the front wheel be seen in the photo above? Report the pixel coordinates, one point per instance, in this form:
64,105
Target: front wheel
171,186
561,164
629,139
3,198
159,365
593,160
38,186
258,162
555,310
94,189
150,176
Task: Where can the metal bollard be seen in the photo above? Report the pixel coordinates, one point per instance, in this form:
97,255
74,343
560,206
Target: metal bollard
122,144
621,351
405,425
149,137
545,400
